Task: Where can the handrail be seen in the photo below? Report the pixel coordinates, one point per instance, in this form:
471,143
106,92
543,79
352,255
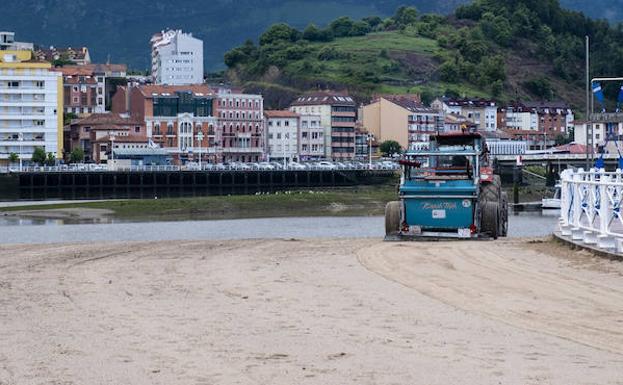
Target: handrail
590,207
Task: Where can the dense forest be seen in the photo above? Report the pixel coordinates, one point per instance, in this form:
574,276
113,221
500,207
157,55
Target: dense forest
506,49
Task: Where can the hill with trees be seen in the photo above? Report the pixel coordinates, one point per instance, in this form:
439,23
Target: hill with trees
505,49
121,29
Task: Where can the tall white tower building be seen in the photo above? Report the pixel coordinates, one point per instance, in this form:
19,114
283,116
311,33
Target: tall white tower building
176,58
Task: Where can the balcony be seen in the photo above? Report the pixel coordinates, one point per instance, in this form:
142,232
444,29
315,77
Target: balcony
345,114
242,150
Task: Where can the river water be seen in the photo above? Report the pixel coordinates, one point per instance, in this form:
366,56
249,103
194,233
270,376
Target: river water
527,224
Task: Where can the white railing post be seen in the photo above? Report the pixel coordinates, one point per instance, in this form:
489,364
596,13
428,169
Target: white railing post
565,200
576,211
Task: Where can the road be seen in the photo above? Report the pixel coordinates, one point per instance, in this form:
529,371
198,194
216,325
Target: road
315,311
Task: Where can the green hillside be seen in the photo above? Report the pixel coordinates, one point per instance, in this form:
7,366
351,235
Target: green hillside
504,50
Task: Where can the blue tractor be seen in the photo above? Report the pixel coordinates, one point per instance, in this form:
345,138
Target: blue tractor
448,190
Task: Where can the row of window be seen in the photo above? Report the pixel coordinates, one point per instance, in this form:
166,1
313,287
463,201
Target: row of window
238,103
314,147
239,115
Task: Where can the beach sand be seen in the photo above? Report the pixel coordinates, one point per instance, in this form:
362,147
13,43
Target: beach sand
319,311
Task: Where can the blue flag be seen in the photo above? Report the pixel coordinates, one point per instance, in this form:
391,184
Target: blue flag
599,94
620,99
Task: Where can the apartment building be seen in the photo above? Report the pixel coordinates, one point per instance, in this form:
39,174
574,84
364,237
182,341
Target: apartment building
387,117
338,114
538,123
241,125
282,135
8,43
31,105
481,112
83,91
89,88
99,133
423,122
176,58
311,137
174,116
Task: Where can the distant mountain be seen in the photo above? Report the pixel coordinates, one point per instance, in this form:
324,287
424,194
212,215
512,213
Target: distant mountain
121,29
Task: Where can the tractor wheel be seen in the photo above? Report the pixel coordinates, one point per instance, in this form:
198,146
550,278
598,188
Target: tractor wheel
490,222
392,218
504,216
491,192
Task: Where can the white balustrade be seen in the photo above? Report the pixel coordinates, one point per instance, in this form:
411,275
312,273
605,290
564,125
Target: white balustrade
590,207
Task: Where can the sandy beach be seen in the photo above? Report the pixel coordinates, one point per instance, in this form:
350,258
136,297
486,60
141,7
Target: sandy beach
321,311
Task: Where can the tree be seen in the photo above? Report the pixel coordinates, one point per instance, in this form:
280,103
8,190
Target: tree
405,16
448,72
360,28
390,148
341,26
76,155
68,117
281,32
38,156
50,160
13,157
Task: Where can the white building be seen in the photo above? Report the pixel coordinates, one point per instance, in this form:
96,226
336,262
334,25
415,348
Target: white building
282,129
481,112
311,138
7,42
31,106
176,58
600,134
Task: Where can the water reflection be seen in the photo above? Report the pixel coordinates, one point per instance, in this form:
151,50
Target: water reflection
16,230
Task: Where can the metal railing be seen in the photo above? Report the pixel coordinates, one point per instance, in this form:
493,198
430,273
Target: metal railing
195,167
590,207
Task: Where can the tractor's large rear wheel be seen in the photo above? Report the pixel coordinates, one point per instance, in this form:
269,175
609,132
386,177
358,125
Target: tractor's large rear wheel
490,222
392,218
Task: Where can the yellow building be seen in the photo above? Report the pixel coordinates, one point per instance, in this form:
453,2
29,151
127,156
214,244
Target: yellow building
31,106
400,118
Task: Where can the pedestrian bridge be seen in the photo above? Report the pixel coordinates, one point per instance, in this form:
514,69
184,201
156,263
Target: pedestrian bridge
590,213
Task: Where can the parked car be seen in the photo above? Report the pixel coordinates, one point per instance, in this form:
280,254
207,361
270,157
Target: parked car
266,166
325,165
296,166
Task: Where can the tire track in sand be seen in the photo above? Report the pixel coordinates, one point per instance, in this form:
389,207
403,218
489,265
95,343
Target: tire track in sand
510,282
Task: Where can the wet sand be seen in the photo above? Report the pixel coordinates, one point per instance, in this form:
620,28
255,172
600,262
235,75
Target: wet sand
309,312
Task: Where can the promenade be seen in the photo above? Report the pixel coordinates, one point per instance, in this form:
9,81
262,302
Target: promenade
317,311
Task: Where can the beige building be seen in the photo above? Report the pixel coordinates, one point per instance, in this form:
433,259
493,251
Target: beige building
400,118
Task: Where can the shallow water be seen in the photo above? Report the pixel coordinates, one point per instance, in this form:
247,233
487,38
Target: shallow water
14,230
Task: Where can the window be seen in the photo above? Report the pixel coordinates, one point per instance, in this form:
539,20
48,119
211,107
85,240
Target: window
39,122
13,84
286,123
304,135
157,129
39,84
137,129
278,135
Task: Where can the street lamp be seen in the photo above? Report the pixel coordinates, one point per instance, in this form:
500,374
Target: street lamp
370,139
199,137
112,149
20,138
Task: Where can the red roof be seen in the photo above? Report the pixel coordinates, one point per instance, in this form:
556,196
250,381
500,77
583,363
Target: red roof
571,148
108,118
280,114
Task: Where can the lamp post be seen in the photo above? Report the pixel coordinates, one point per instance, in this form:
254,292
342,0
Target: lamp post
112,150
370,139
283,143
199,137
20,138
